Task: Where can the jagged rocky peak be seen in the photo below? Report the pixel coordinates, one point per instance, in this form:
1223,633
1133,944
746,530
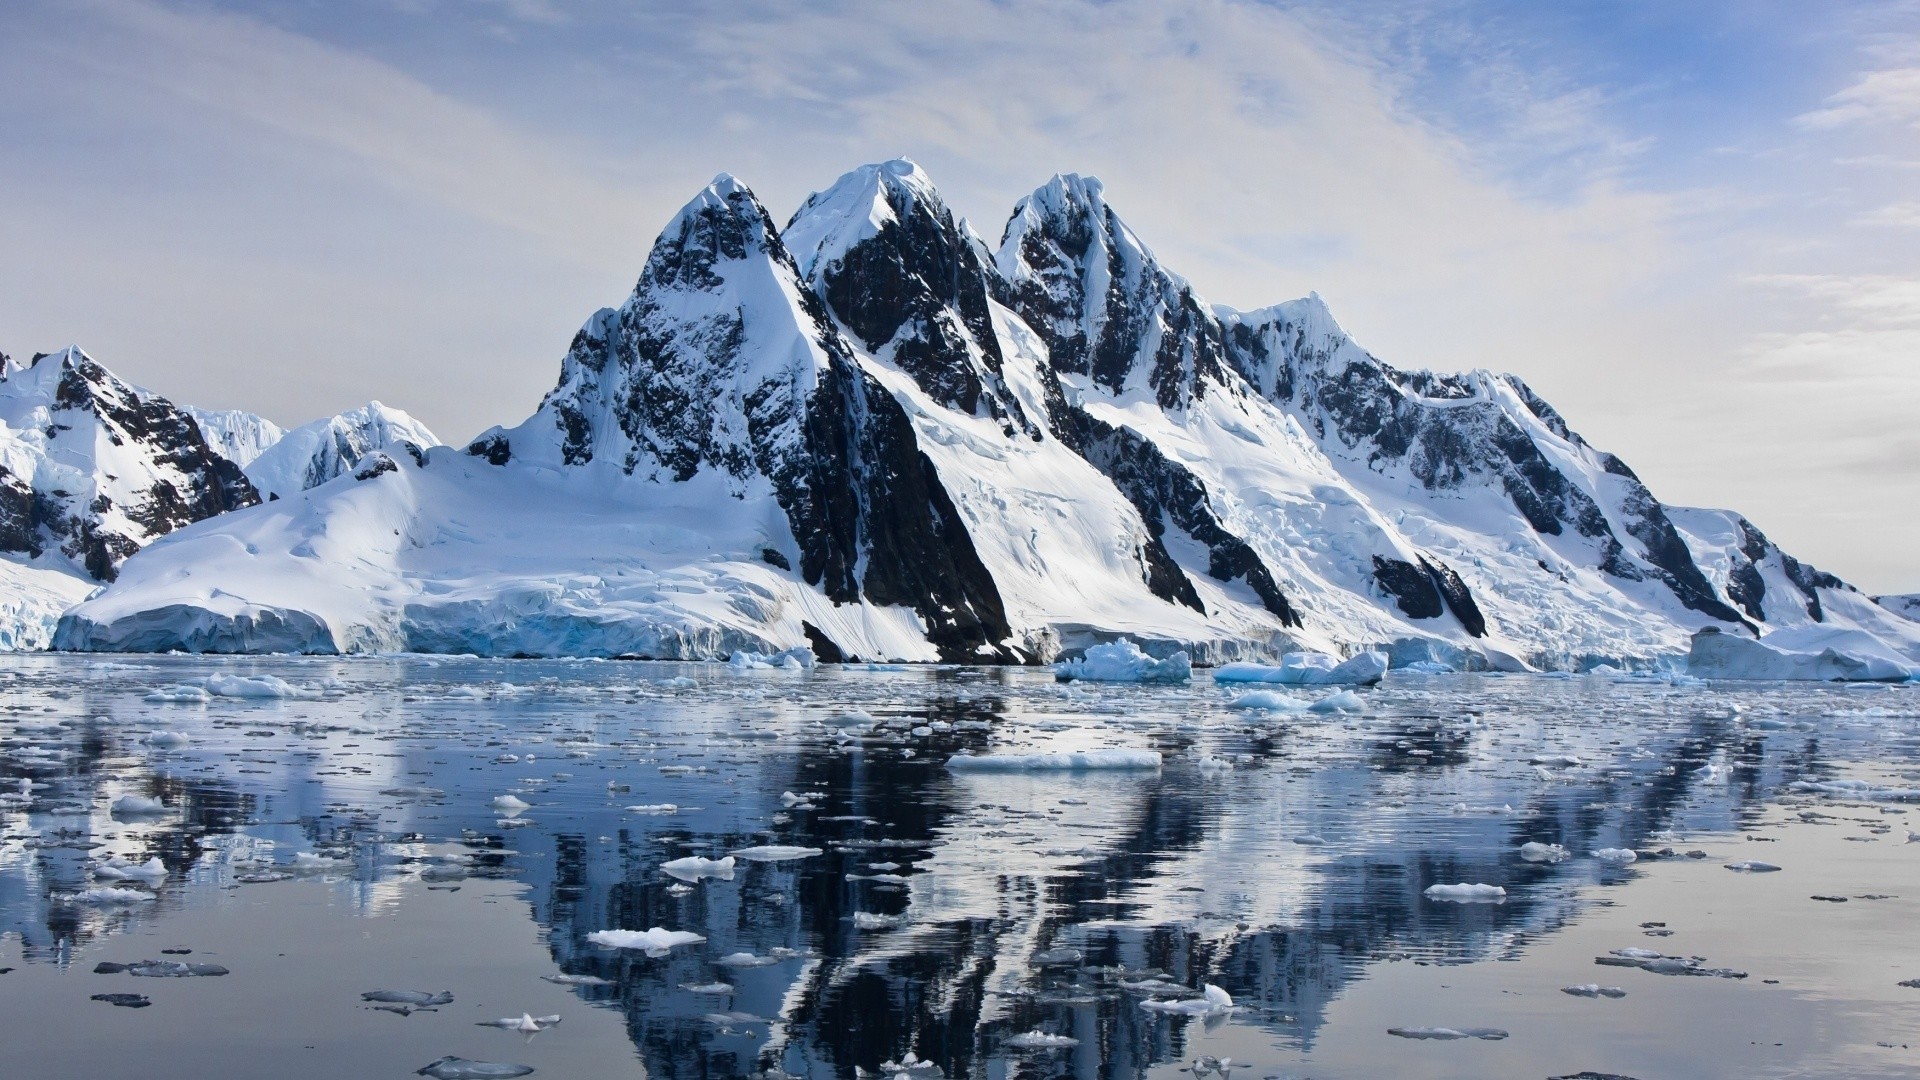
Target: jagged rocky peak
312,454
908,284
1101,301
93,467
705,365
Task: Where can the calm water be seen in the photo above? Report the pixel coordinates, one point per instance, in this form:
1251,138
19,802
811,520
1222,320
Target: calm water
323,846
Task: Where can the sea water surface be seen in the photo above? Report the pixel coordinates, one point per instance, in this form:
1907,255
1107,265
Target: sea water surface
329,828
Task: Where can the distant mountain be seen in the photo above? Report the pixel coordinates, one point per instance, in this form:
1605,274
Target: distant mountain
238,436
312,454
874,433
1907,605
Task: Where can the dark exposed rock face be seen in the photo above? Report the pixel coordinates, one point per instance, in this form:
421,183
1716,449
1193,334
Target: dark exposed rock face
914,292
160,472
1100,300
1429,589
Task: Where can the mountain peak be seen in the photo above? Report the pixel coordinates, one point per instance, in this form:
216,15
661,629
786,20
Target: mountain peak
855,208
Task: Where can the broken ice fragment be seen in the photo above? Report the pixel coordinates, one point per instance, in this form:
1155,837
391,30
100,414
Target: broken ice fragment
459,1068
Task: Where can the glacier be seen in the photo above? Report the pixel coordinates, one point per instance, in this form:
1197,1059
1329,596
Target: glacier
875,435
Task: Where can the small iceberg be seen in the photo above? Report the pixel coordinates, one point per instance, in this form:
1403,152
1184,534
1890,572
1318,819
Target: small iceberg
1123,662
1619,856
1811,653
1467,894
1309,669
1444,1033
1268,701
654,942
693,868
259,687
1535,852
800,659
1342,701
1212,1001
1040,1040
137,806
1058,761
459,1068
776,853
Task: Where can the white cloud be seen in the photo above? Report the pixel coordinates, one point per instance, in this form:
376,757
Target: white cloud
1887,96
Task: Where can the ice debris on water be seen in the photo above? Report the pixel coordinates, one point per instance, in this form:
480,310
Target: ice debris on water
1040,1040
262,687
1123,661
654,942
417,998
655,809
694,867
564,979
868,920
108,897
1617,855
125,1001
160,969
1752,866
137,806
1212,1001
459,1068
1446,1033
1267,701
1467,894
776,853
1339,701
1057,761
1594,990
1309,669
179,695
1535,852
1660,964
509,804
525,1022
799,659
152,872
164,740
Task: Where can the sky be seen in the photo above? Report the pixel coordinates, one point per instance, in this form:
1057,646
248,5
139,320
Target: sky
1693,227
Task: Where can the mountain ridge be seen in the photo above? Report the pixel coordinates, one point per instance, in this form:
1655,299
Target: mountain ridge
892,442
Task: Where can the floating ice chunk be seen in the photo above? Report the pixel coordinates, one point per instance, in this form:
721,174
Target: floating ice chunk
1309,669
1339,701
525,1022
1618,855
853,719
654,942
179,695
1123,661
653,808
169,969
1040,1040
137,806
153,871
417,998
1594,990
867,920
255,686
1490,1034
1820,653
1555,761
797,659
125,1001
509,804
1310,840
776,853
746,960
459,1068
1268,701
1063,760
694,867
1212,1001
577,980
1467,894
707,988
1752,866
164,740
1535,852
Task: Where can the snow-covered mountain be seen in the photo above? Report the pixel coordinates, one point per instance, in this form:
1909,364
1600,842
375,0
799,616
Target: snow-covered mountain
91,469
312,454
238,435
1906,604
875,434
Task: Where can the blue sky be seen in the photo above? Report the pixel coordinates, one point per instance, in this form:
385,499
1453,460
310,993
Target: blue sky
1695,226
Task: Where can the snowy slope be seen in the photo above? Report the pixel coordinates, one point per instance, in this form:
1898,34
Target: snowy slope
1906,605
239,436
874,435
312,454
